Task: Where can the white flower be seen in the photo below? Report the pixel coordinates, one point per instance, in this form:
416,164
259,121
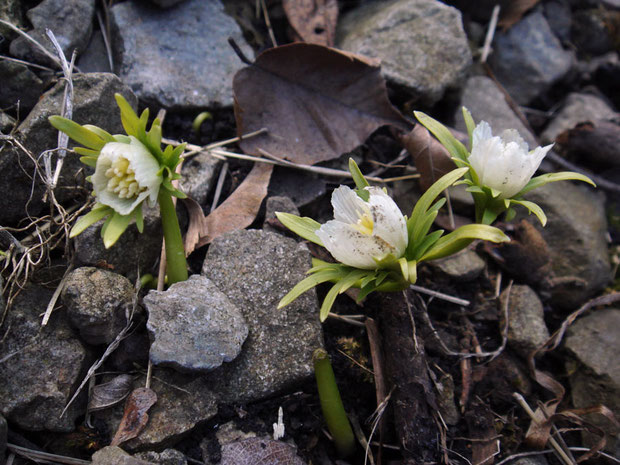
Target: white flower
503,162
125,175
364,231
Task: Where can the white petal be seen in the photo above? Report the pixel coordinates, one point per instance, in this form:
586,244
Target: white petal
481,132
389,222
349,246
347,205
145,166
512,135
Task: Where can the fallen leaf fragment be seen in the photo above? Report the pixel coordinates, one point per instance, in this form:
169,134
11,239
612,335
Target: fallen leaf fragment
313,20
111,393
316,102
257,451
514,11
431,159
135,416
197,225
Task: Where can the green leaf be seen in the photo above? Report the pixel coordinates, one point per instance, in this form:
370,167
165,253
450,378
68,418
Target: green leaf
308,283
139,218
122,138
510,214
427,199
539,181
364,291
329,300
105,135
358,177
532,208
461,238
129,118
413,271
116,226
142,122
381,277
201,118
352,278
153,137
78,133
369,278
443,134
470,124
422,231
90,218
426,243
89,161
87,152
302,226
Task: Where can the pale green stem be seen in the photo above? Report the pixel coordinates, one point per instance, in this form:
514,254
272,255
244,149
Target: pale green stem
176,265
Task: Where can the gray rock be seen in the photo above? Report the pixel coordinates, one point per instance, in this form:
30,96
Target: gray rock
577,108
7,123
166,457
594,341
576,235
302,188
40,366
166,3
558,15
591,32
277,204
19,85
69,20
4,429
528,59
421,44
182,403
193,326
95,56
113,455
198,174
487,103
133,252
97,303
526,323
93,103
255,269
463,266
10,11
185,70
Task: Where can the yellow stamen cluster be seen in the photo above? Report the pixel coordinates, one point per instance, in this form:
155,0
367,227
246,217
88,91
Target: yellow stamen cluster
122,179
365,224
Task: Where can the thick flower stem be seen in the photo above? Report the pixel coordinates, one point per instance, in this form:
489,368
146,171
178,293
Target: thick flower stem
176,265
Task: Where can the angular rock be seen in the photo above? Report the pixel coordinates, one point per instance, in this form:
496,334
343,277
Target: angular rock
114,455
193,326
421,44
94,59
93,103
97,303
133,252
19,85
591,31
198,174
558,15
166,457
463,266
177,71
528,59
576,235
302,188
183,402
69,20
577,108
594,341
277,204
487,103
7,123
40,366
255,269
526,323
10,11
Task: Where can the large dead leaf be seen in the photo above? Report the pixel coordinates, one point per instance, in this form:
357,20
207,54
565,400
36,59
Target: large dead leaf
314,21
111,393
316,102
237,212
135,416
431,159
257,451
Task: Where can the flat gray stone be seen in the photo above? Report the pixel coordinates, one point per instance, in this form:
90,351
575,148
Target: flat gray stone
71,21
526,324
193,326
93,103
576,234
577,108
198,176
255,269
114,455
487,103
40,366
421,44
528,59
174,70
277,204
463,266
166,457
94,59
97,303
19,85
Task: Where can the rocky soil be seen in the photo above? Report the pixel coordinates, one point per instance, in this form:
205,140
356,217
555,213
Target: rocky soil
536,320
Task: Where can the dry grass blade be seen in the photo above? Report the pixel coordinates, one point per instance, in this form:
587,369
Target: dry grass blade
33,41
44,457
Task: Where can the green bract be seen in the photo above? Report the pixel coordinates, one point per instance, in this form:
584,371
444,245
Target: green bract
373,215
129,169
500,168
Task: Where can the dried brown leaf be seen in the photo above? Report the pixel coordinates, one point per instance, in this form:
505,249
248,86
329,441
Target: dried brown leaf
316,102
197,225
257,451
604,135
111,393
514,11
135,416
431,159
313,20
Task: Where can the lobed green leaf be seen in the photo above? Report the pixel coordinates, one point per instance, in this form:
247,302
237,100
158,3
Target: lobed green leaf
114,227
89,219
443,134
78,133
541,180
304,227
461,238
